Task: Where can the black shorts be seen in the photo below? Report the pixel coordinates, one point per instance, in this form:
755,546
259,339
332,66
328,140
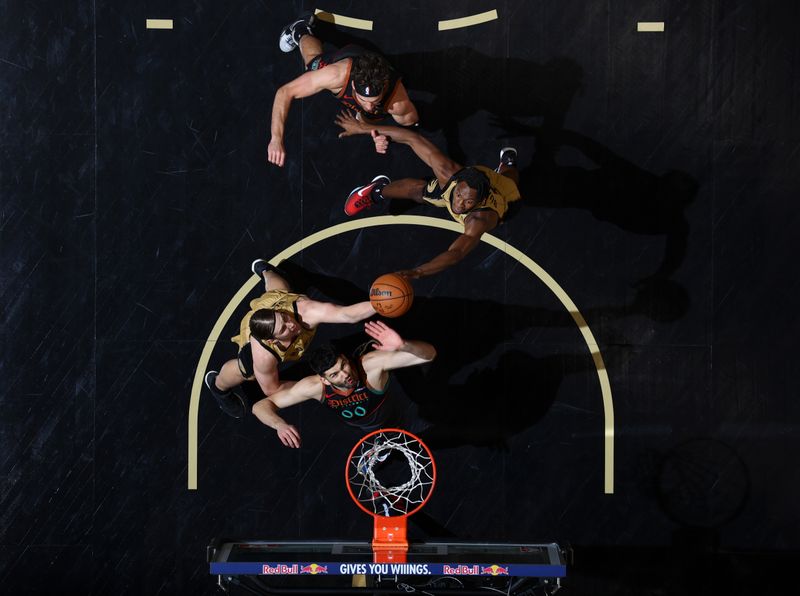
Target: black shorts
326,58
317,63
245,360
433,190
246,367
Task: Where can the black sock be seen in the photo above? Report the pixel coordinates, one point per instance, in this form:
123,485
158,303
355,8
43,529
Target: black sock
299,31
216,390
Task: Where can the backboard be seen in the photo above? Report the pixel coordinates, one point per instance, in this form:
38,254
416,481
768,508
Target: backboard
436,567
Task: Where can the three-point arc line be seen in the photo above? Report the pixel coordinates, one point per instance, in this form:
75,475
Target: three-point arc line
415,220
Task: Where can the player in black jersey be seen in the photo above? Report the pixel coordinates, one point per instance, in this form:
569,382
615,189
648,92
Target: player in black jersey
361,80
355,389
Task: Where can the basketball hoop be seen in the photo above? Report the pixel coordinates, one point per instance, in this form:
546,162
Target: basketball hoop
383,453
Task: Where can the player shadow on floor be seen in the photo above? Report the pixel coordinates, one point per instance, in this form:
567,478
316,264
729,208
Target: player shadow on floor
449,85
463,82
613,190
502,395
506,394
305,281
494,403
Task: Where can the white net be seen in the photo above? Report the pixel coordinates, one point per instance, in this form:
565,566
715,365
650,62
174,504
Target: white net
392,500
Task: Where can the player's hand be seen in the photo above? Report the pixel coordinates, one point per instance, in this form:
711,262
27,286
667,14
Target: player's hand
289,436
276,153
381,141
388,340
347,121
410,273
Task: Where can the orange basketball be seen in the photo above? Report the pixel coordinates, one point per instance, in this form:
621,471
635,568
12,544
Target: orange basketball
391,295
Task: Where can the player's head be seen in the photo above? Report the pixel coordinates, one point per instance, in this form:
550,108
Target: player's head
266,324
472,188
333,367
371,73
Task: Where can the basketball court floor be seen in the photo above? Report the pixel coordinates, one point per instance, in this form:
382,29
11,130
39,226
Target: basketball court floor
614,361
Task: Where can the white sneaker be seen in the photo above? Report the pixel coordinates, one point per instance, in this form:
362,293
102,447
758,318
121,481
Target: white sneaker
508,157
289,38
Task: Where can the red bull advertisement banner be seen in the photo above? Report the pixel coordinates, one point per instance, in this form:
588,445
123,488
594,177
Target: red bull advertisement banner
421,568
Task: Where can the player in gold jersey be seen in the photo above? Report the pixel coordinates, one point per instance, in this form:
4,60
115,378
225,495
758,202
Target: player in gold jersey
477,197
278,328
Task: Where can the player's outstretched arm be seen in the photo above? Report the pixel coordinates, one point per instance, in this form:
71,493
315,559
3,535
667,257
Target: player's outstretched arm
266,410
475,226
443,167
303,86
316,312
392,351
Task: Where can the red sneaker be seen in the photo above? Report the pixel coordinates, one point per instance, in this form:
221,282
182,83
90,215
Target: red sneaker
364,197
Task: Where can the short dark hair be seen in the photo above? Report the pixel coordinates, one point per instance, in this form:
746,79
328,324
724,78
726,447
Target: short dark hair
371,70
475,179
323,358
262,324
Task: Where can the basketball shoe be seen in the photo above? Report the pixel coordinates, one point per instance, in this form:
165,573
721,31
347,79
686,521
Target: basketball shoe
259,266
508,158
229,401
291,34
364,197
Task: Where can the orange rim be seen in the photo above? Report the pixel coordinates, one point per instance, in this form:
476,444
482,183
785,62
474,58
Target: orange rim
350,458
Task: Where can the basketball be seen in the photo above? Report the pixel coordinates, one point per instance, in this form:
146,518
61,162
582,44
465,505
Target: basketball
391,295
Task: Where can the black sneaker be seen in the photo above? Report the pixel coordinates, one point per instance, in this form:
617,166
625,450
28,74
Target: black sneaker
259,266
508,158
291,34
229,402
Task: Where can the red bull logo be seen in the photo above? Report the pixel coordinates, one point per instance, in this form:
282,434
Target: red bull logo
459,569
314,569
494,570
280,569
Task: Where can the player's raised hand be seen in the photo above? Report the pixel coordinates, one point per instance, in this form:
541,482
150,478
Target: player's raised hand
350,125
381,141
388,340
